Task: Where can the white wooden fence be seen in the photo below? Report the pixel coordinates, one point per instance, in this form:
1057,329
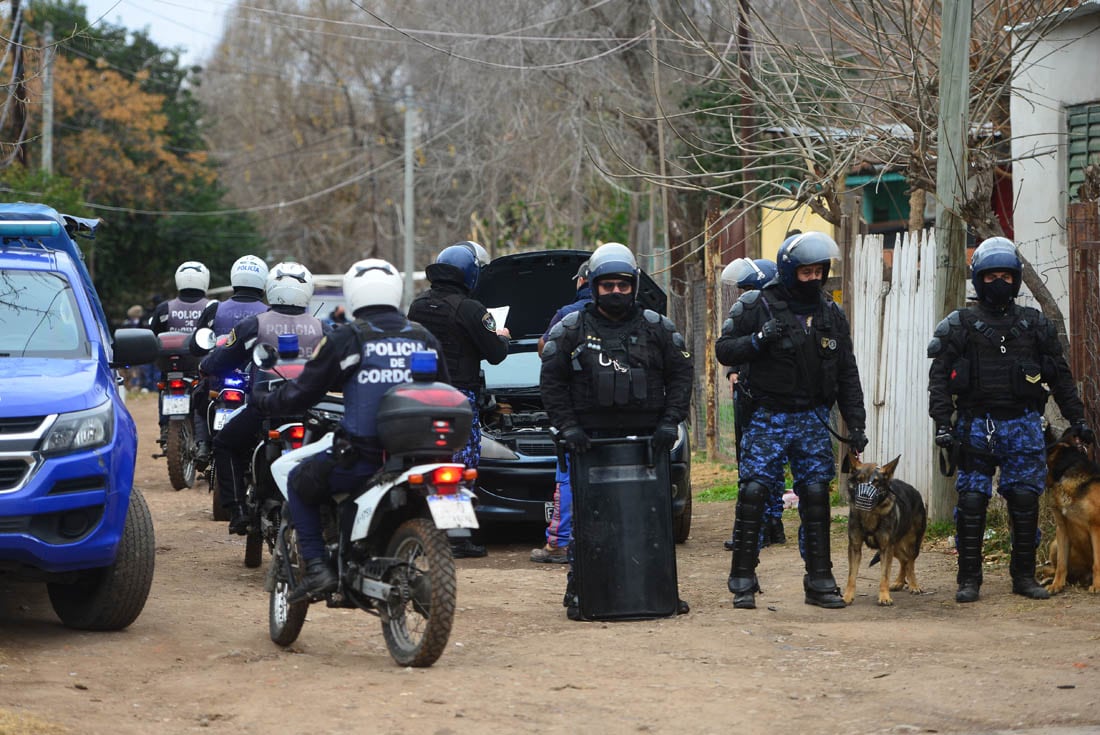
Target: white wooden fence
892,323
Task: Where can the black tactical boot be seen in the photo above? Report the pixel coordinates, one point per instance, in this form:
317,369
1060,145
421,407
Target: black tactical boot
969,533
238,520
1023,509
746,545
318,581
819,584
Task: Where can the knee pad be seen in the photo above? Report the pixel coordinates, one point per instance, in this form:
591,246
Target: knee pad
972,502
753,493
1020,498
813,501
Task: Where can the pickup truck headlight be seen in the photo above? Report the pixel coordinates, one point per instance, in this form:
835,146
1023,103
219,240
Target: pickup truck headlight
80,430
492,449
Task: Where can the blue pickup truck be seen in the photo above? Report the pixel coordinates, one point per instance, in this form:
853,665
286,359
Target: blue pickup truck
69,515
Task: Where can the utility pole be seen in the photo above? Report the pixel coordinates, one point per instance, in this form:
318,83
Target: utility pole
47,101
951,168
661,254
19,101
745,125
410,258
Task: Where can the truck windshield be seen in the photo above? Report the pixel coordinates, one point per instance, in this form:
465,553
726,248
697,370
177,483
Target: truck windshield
39,317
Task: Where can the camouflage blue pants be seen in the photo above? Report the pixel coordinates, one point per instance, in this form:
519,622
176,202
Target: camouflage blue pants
470,455
773,438
1015,445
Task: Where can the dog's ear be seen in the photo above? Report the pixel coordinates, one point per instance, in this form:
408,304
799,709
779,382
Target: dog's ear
850,462
888,468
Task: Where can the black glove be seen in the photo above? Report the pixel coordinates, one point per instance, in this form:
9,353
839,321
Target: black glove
259,399
1084,433
771,331
664,436
857,440
576,441
945,436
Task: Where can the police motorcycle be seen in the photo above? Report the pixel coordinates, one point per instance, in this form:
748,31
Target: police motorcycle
389,540
179,371
225,402
281,434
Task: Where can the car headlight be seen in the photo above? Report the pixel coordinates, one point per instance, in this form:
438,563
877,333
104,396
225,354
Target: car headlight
492,449
80,430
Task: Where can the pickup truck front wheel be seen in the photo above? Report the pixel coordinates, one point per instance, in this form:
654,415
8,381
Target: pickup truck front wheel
112,597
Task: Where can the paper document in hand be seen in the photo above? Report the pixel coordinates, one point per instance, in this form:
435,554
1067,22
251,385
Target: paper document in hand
500,315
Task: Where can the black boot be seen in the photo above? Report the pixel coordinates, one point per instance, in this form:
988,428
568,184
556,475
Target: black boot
238,519
1023,508
970,531
746,545
819,584
318,581
779,536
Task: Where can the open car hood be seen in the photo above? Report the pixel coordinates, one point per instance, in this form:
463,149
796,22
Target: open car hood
534,285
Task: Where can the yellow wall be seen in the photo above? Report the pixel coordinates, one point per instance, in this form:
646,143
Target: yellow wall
777,217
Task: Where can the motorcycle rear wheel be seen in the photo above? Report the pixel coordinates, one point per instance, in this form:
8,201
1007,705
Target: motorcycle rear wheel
220,512
285,619
180,451
417,629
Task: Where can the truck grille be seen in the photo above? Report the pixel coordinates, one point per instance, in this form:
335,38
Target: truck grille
20,424
12,472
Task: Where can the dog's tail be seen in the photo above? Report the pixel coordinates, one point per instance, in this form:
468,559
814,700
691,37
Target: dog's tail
875,559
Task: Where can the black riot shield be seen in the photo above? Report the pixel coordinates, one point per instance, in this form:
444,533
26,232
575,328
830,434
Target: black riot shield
624,554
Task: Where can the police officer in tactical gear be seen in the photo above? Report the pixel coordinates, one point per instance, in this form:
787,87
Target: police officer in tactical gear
468,334
986,395
799,349
289,289
363,360
248,277
751,275
613,369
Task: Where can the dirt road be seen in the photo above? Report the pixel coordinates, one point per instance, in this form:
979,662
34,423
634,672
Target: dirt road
199,658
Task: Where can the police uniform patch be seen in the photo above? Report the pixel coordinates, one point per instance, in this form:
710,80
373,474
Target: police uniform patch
828,344
231,338
489,322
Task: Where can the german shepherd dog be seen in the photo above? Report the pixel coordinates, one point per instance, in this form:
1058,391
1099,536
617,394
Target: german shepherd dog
1073,491
888,515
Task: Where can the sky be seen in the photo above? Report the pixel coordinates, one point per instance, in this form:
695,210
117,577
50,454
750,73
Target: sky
195,25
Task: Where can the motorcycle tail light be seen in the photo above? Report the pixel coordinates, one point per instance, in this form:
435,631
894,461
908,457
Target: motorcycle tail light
446,479
295,435
177,386
232,396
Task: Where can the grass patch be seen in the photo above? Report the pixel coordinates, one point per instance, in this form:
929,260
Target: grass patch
16,723
717,493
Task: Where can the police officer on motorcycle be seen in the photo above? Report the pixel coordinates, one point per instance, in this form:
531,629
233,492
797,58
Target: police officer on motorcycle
248,277
362,359
614,369
289,288
182,313
986,395
799,349
468,334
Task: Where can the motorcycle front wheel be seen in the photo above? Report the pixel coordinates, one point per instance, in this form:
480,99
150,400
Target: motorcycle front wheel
180,450
285,619
417,624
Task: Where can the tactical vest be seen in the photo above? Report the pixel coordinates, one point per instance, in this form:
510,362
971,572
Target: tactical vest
802,369
308,328
1001,369
230,312
383,363
183,316
439,315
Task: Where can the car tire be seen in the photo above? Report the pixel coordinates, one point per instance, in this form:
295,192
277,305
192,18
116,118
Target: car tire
112,597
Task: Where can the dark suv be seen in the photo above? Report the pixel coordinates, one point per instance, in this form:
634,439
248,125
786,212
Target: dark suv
516,475
69,515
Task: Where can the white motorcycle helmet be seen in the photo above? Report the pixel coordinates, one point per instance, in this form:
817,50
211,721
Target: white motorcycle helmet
289,284
248,272
192,274
373,282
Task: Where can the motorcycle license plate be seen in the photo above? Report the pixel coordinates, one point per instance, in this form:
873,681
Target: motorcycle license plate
221,417
176,405
452,511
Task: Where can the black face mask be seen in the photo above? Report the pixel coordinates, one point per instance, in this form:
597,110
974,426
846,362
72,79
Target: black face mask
615,304
807,290
997,293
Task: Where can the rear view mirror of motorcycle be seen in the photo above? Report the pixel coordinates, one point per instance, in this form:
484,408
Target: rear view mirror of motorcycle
265,356
205,339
